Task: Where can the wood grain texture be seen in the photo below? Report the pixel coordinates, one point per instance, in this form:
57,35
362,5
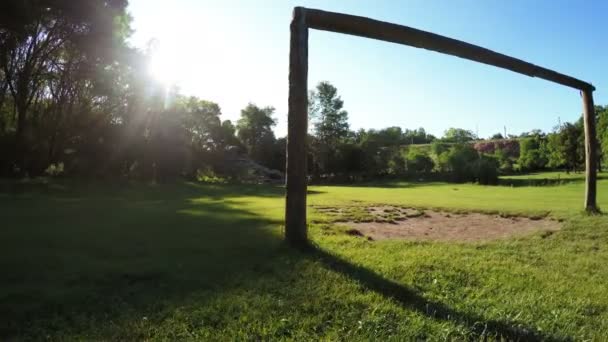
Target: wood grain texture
375,29
590,152
297,129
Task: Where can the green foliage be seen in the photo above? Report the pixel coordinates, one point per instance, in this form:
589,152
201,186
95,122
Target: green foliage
458,135
572,145
326,111
601,113
54,59
505,161
554,151
462,161
330,122
565,148
255,131
487,170
207,175
419,162
397,165
442,162
465,164
531,155
417,136
349,159
440,153
380,156
54,170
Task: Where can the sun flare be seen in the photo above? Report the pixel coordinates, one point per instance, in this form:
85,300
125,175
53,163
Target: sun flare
164,69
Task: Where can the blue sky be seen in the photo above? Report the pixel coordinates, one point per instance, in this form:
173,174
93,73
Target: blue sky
235,52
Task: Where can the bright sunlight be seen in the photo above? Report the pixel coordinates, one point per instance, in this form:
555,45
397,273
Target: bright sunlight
165,67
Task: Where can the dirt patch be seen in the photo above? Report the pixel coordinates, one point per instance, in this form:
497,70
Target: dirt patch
414,224
393,213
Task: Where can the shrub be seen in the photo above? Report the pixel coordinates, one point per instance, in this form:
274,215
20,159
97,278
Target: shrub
510,147
397,164
462,161
437,147
505,163
207,175
531,156
487,170
442,162
54,170
349,159
419,162
467,165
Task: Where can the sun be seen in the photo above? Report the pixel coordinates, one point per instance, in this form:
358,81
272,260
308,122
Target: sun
168,63
163,68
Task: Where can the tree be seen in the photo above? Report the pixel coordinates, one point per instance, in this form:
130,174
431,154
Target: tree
571,139
202,121
325,109
465,164
375,156
487,170
533,133
507,153
554,151
461,162
226,135
458,135
417,136
254,129
390,136
602,133
330,123
531,156
40,39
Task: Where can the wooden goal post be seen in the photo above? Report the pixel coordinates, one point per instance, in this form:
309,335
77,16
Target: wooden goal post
304,18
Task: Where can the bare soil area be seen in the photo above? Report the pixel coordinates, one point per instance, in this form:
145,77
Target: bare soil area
407,223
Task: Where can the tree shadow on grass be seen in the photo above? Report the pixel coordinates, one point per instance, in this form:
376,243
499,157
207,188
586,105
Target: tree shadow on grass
71,188
75,268
481,328
87,254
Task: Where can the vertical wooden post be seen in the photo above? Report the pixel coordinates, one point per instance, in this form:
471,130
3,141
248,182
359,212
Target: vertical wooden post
590,151
297,129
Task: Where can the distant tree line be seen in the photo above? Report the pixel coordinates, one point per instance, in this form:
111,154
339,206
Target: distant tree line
77,100
338,154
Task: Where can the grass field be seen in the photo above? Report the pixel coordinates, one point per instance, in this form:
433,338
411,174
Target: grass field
191,261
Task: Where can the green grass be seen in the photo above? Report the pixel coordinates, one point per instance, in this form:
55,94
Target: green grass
189,261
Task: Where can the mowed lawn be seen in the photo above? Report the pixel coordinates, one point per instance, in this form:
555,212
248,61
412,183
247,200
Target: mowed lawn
101,261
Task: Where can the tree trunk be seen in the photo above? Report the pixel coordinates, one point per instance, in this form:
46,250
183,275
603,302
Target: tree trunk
295,208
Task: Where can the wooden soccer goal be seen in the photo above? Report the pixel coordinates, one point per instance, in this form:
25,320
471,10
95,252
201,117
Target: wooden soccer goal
304,18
